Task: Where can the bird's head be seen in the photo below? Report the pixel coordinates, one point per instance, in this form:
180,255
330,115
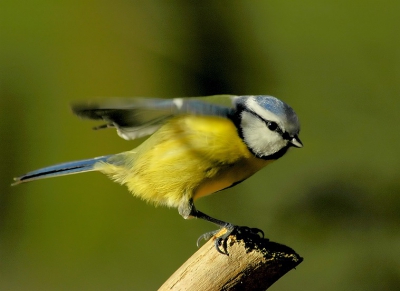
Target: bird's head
267,125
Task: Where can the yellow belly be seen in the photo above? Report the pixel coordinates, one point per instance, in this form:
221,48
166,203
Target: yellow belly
189,157
226,177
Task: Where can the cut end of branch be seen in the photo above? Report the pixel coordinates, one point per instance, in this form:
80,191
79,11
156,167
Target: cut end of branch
253,263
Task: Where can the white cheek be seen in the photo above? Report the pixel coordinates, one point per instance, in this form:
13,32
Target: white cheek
258,137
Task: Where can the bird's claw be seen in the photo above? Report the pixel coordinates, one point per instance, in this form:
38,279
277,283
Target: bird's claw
222,240
206,236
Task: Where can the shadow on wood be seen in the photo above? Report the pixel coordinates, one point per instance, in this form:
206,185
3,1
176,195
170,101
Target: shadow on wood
252,263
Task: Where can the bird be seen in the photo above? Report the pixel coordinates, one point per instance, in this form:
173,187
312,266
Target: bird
197,146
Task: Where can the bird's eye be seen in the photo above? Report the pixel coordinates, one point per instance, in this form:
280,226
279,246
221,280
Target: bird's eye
272,125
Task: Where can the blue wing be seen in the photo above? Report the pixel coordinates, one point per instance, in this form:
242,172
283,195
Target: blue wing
138,117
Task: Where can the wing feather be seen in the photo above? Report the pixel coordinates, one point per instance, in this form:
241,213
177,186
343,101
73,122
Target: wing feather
138,117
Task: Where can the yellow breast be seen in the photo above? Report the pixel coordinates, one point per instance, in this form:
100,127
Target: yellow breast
189,157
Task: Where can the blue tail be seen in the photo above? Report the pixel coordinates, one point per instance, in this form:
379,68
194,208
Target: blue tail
61,169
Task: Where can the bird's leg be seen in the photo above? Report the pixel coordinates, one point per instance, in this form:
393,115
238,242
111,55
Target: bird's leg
201,215
206,236
191,211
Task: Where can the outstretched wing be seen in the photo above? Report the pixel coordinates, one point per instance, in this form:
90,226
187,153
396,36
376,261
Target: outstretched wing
138,117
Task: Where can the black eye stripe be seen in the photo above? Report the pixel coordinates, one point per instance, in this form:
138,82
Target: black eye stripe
279,130
286,136
236,119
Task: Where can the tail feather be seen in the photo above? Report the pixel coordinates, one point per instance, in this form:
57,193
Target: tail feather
61,169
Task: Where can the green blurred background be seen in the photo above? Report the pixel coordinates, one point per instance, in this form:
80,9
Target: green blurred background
336,201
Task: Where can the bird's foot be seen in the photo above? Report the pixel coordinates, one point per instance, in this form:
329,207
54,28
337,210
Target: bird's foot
221,241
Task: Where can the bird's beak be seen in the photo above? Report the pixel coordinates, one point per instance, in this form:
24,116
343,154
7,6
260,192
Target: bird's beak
296,142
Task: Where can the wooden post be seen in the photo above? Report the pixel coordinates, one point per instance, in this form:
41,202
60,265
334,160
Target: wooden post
251,263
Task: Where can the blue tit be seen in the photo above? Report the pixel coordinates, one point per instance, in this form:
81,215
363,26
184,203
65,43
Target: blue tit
197,146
